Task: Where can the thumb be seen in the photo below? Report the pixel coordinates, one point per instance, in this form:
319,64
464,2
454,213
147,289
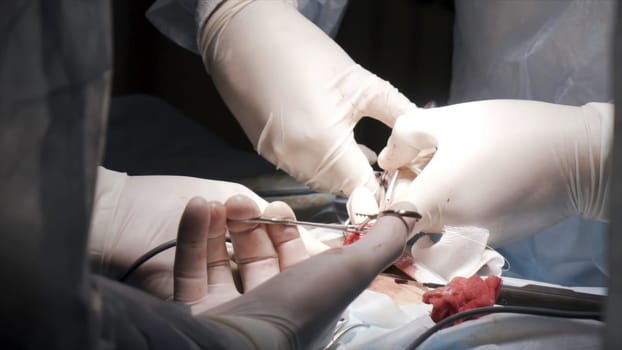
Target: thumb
428,192
412,143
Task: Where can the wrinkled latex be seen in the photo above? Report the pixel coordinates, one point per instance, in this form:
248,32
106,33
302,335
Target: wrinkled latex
511,167
288,310
133,214
295,92
203,274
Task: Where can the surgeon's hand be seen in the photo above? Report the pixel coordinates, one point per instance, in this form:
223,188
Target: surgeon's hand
203,273
134,214
294,309
295,92
512,167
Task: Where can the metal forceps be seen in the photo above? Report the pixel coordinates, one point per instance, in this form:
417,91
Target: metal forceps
277,221
339,227
390,186
347,227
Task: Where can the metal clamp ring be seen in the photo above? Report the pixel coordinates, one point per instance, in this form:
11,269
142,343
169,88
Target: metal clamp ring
401,214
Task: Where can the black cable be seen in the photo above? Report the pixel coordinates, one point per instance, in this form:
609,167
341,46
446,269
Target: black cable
502,309
148,255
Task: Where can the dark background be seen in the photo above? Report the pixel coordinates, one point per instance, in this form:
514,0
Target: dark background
407,42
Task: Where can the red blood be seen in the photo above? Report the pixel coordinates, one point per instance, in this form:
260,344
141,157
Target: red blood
405,264
462,294
351,237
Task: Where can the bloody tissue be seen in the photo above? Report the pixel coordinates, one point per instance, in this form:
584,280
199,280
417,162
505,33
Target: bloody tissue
462,294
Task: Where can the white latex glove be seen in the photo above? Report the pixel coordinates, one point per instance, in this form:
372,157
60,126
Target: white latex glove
512,167
295,92
202,275
133,214
293,309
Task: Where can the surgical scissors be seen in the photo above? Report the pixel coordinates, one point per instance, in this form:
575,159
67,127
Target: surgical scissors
391,188
346,227
277,221
342,227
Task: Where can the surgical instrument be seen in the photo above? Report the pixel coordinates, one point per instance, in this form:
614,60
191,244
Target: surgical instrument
277,221
341,227
391,188
346,227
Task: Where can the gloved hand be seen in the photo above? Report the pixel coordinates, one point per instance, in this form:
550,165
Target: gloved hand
133,214
295,92
260,251
294,309
512,167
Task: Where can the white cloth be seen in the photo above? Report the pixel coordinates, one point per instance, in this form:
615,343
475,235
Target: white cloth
460,252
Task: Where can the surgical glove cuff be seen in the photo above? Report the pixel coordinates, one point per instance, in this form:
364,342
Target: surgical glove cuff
108,190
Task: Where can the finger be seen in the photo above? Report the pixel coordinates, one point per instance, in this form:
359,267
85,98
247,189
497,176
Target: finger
361,204
256,257
189,273
345,169
219,276
430,192
413,136
378,99
285,238
372,97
